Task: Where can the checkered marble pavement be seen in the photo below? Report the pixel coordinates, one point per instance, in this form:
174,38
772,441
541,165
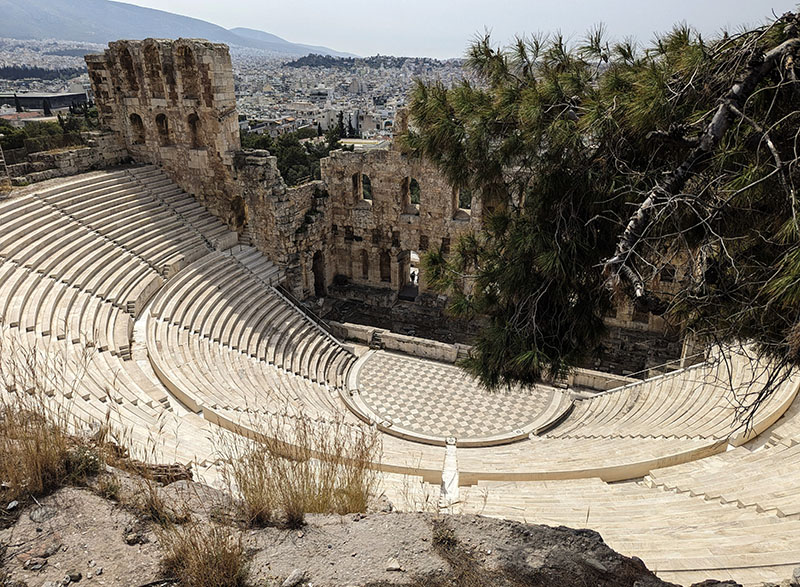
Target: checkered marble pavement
439,399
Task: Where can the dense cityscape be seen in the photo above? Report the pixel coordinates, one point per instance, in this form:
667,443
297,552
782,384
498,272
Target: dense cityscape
275,94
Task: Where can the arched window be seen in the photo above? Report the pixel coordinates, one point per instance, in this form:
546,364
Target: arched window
462,203
386,266
194,131
364,264
189,74
126,61
465,199
137,129
413,190
163,129
366,187
409,195
152,61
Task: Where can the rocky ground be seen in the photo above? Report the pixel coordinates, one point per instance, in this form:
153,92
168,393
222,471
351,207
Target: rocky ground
77,536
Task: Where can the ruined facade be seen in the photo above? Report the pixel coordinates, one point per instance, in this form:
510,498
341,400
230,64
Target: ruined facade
387,207
172,104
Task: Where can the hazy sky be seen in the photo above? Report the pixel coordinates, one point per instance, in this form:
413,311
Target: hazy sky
436,28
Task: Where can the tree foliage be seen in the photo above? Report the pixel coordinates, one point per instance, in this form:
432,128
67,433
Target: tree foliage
14,138
563,144
297,161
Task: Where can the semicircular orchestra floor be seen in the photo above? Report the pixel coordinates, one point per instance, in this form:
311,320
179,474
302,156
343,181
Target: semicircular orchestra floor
433,399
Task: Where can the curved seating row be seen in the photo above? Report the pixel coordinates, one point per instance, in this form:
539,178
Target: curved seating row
761,474
227,298
696,402
76,263
682,538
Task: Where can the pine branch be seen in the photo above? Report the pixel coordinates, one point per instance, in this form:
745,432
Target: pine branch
619,267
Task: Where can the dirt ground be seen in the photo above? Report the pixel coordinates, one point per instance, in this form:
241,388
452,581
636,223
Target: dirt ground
76,531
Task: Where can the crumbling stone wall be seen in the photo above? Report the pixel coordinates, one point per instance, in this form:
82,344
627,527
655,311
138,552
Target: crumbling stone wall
172,104
100,151
290,225
372,237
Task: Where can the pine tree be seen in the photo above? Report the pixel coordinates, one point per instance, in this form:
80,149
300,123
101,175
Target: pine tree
562,143
340,125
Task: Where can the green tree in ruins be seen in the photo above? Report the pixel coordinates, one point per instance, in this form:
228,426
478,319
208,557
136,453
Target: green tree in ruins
340,125
599,164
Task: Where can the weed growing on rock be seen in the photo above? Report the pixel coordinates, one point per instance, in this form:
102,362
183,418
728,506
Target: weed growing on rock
204,555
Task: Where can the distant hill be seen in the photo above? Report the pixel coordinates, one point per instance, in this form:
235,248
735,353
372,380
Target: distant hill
270,39
376,61
101,21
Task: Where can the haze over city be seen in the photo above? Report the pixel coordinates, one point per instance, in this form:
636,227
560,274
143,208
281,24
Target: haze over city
443,29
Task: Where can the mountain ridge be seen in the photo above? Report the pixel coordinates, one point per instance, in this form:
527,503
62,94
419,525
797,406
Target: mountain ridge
101,21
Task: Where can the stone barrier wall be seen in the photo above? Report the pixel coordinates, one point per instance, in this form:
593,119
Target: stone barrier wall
101,150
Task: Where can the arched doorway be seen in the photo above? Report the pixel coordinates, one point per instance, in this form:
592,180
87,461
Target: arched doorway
318,269
386,267
238,212
408,265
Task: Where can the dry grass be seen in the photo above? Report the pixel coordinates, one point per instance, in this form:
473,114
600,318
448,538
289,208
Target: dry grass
39,453
109,487
204,555
294,465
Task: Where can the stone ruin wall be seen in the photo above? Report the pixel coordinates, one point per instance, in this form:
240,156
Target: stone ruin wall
172,104
101,150
372,238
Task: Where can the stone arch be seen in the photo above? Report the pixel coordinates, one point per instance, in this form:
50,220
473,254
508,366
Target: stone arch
162,125
128,71
152,64
366,187
137,129
187,65
356,186
364,264
194,131
386,266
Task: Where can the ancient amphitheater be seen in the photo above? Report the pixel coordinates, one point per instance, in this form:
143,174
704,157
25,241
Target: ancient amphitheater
164,290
